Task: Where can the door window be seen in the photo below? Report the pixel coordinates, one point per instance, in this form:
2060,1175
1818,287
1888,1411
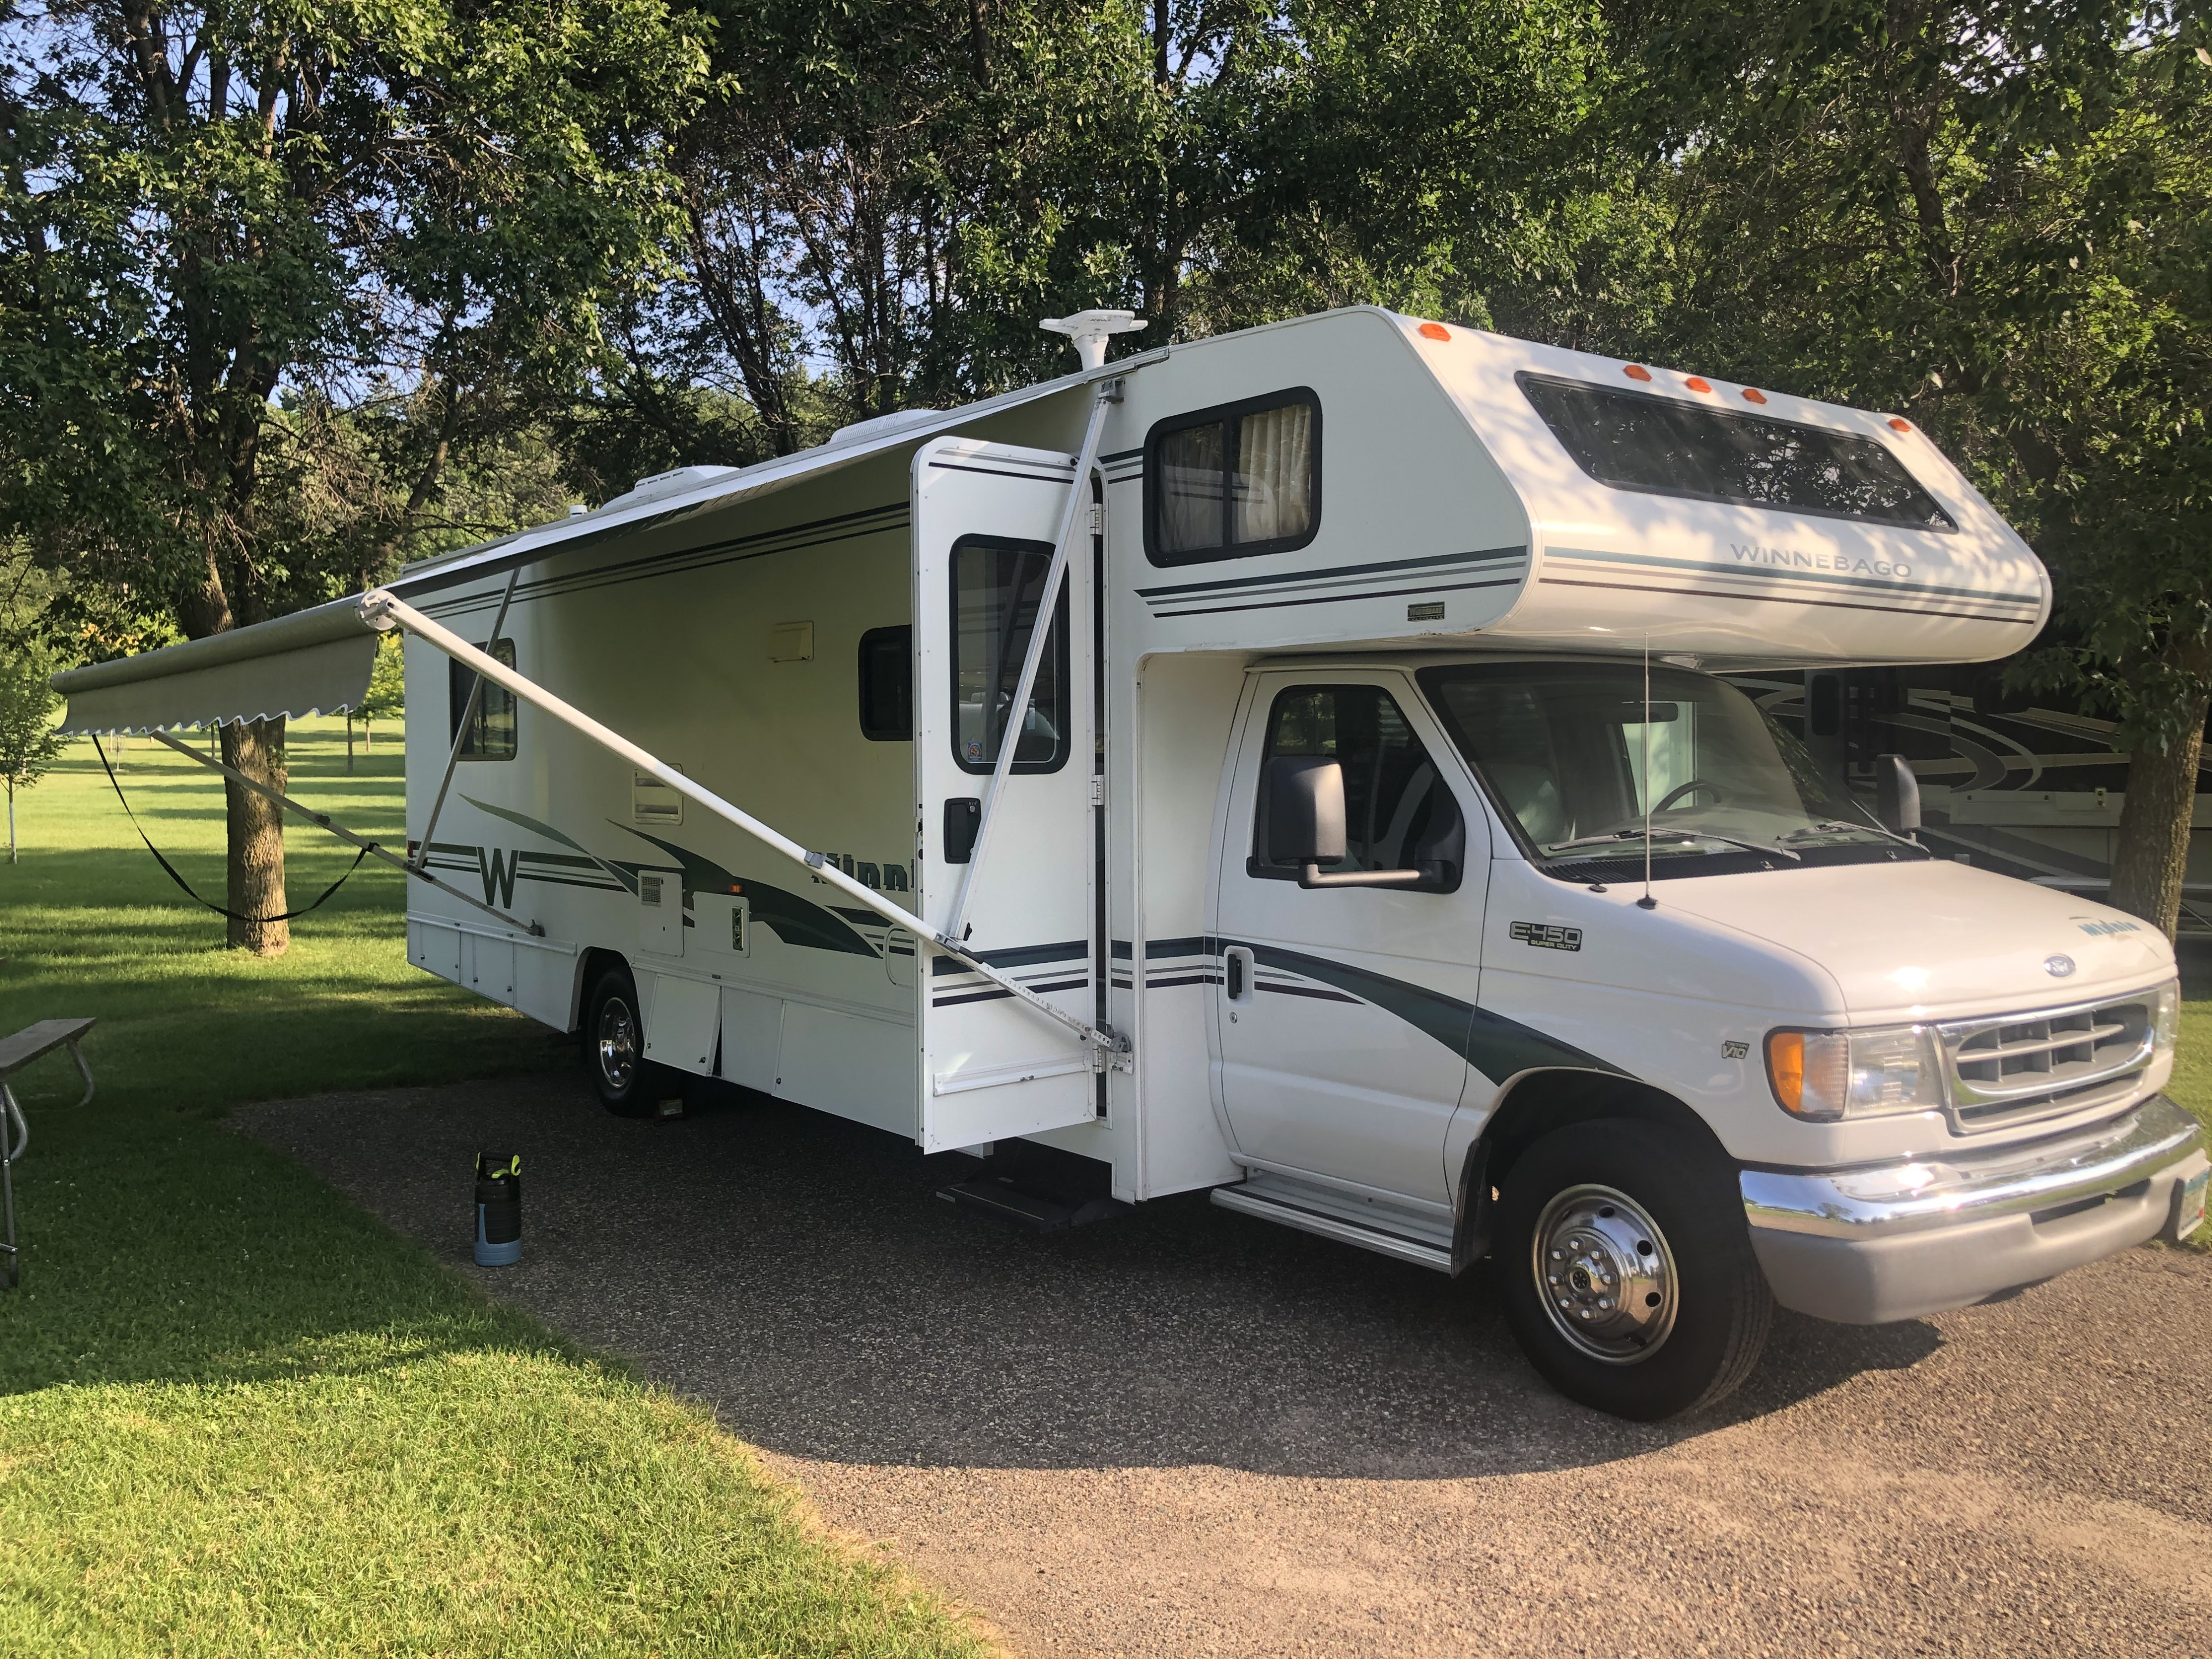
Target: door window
1399,814
491,733
997,585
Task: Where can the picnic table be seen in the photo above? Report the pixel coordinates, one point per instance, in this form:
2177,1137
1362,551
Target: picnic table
31,1044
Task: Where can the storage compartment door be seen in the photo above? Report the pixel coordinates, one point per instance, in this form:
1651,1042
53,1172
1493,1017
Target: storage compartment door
984,517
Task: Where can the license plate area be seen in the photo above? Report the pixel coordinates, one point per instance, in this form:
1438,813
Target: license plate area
2189,1205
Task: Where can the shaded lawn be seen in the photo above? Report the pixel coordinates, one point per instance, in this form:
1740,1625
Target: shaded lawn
237,1416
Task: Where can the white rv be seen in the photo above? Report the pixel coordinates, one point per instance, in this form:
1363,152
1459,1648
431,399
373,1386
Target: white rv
1377,847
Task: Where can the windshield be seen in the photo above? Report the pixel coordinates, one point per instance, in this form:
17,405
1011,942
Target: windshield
1575,755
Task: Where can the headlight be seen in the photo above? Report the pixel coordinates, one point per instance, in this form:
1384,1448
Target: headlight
1826,1075
2166,1017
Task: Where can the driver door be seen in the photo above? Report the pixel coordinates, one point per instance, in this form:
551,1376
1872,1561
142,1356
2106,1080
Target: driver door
1343,1018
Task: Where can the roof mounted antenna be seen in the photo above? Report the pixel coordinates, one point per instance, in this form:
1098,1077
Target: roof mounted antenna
1089,331
1647,902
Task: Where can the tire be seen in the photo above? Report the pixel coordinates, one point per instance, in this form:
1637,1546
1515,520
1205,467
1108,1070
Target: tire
626,1082
1596,1209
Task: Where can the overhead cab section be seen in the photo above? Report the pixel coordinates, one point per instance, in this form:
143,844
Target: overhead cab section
1732,524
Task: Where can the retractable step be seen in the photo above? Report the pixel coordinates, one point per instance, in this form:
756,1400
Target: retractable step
1417,1237
1040,1187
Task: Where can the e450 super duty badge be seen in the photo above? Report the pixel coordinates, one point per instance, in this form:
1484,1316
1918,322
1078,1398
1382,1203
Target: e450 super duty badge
1548,935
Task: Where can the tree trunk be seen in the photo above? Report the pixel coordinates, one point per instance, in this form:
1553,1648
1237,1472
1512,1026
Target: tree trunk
256,835
2161,802
349,743
11,820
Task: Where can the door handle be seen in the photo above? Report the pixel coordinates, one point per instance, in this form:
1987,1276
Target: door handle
1237,973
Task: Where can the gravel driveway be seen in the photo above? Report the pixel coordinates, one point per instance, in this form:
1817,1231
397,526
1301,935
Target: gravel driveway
1186,1432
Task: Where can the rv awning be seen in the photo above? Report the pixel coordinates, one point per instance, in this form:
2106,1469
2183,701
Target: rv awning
318,661
310,662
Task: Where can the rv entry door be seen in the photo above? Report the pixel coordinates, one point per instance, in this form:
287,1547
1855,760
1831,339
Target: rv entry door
984,518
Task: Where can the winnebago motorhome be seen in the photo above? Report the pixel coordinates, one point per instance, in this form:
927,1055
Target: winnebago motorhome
1296,764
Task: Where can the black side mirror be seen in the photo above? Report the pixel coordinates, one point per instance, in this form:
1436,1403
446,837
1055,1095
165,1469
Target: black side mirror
1897,794
1305,809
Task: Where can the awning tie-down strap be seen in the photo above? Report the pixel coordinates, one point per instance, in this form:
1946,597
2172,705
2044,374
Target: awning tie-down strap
233,915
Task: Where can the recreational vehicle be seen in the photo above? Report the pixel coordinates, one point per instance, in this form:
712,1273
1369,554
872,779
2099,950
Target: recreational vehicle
1297,764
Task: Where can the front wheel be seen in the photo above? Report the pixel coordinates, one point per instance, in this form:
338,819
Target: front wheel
1628,1273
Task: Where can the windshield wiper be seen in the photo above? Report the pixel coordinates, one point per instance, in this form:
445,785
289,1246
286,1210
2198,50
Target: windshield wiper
1831,827
1615,835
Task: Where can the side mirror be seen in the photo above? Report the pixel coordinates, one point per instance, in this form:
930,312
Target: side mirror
1305,809
1897,794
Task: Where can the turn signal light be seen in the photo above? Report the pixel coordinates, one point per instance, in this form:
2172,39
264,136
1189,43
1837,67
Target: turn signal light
1809,1071
1896,425
1435,332
1637,372
1752,394
1697,385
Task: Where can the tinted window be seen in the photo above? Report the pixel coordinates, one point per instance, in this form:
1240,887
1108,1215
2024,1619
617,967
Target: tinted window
1234,481
996,587
1663,446
1399,814
887,684
491,733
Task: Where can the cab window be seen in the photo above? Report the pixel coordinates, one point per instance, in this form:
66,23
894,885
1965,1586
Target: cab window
1399,814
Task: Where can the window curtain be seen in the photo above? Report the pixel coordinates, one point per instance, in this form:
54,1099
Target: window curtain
1275,474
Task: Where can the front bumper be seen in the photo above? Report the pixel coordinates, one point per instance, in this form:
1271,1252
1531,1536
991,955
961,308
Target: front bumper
1896,1241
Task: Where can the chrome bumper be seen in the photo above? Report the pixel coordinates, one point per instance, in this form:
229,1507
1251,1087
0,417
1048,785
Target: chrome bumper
1898,1239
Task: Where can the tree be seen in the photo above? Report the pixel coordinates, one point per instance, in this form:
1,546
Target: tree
29,743
386,697
221,228
1994,217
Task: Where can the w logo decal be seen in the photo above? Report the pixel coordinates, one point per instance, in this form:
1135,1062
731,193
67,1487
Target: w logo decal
498,875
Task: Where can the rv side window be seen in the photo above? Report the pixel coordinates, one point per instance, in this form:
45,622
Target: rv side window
1235,481
996,587
887,684
491,733
1661,445
1399,814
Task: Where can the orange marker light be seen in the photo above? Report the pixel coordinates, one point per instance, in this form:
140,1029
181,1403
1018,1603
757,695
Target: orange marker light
1637,372
1435,332
1697,385
1896,425
1785,1064
1752,394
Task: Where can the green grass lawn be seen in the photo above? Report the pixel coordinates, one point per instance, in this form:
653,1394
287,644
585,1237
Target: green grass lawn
237,1416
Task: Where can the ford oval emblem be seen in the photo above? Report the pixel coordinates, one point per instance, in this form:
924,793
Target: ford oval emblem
2058,967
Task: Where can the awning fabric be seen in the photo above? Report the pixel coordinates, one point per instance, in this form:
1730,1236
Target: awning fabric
318,661
310,662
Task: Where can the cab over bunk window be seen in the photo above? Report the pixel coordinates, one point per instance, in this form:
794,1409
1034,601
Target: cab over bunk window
1661,445
491,733
1234,481
887,684
1399,814
997,585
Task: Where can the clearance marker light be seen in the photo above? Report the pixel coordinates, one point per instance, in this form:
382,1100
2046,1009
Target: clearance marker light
1697,385
1752,394
1637,372
1896,425
1435,332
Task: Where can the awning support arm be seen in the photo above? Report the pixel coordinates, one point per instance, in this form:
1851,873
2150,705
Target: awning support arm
384,610
1017,715
321,821
461,732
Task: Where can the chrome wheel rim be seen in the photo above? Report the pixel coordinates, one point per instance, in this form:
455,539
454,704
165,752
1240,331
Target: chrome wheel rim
617,1040
1605,1275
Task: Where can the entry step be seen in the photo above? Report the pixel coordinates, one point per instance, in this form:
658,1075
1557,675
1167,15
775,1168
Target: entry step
1003,1195
1421,1237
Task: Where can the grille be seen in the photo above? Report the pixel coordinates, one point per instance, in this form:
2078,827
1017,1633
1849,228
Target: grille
2014,1066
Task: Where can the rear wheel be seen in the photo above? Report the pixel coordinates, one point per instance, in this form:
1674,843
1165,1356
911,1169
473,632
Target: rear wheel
1628,1273
626,1082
